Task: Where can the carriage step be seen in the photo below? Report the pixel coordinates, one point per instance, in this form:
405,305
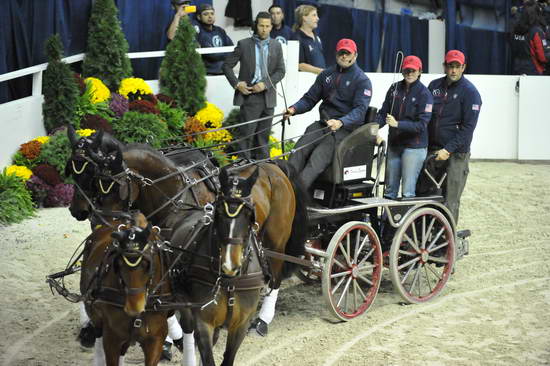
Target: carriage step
463,234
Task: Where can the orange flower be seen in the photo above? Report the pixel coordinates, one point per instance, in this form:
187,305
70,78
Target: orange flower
193,125
30,149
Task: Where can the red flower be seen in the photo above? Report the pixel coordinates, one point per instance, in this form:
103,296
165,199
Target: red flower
95,122
143,106
48,174
167,100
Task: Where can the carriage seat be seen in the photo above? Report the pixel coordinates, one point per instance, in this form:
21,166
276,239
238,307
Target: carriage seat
351,166
354,154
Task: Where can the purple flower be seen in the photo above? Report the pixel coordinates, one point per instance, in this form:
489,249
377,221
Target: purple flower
60,195
39,189
119,104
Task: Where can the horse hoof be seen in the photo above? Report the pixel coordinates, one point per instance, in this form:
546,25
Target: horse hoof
258,327
86,336
166,351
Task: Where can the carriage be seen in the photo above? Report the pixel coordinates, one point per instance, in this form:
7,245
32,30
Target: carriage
355,233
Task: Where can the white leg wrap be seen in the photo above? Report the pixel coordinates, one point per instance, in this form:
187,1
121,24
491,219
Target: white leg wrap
99,353
84,318
188,358
174,328
267,312
121,361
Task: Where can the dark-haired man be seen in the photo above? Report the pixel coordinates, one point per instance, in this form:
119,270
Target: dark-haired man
456,108
210,35
280,32
261,68
182,8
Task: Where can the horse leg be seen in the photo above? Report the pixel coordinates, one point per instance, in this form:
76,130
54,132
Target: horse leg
204,333
235,336
112,346
152,351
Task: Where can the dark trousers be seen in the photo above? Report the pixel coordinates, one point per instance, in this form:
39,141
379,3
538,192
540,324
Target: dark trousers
313,159
457,174
254,107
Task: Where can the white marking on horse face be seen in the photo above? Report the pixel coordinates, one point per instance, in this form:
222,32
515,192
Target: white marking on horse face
232,228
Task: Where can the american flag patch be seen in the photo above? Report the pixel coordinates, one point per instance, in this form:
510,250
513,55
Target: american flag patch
367,92
428,108
475,107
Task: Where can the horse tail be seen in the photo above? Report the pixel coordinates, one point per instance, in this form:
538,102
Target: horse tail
300,224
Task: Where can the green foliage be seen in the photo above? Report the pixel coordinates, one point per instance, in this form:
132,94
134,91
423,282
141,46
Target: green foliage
84,106
182,72
232,118
173,117
106,53
218,154
56,152
16,200
141,128
59,88
19,159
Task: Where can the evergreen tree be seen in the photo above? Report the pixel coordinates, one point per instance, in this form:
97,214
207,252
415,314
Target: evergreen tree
106,53
59,87
182,72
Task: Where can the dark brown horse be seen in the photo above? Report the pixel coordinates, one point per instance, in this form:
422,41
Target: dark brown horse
121,270
258,204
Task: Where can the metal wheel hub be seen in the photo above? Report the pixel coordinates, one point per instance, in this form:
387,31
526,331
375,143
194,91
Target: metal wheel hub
354,271
424,255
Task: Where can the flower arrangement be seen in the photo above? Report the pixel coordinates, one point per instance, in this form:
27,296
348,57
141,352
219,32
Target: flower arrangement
94,122
98,91
42,139
48,174
60,195
210,116
20,171
166,100
276,147
16,199
134,88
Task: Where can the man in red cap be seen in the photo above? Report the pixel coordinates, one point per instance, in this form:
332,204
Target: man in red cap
345,92
456,108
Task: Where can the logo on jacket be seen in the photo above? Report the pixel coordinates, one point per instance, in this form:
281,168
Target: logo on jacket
428,108
455,95
217,41
413,99
281,39
475,107
310,48
347,83
327,79
367,93
197,29
436,92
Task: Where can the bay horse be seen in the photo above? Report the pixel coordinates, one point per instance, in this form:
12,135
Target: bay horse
258,204
119,275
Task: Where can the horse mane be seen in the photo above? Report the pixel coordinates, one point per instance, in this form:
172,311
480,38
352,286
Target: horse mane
300,233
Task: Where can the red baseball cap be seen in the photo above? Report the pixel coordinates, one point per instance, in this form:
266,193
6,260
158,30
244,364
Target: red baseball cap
412,62
346,44
455,56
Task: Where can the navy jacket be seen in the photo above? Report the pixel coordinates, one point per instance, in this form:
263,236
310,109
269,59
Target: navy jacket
214,38
346,95
311,49
282,35
455,112
412,108
528,52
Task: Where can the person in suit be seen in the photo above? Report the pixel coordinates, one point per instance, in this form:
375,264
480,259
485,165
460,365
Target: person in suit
261,68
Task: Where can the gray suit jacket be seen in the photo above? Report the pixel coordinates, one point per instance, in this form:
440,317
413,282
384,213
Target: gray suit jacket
245,53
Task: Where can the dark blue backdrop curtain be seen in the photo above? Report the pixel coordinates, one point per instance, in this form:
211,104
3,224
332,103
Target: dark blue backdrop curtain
367,33
26,24
407,34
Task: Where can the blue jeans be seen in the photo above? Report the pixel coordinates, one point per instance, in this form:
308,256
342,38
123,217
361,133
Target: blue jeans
404,164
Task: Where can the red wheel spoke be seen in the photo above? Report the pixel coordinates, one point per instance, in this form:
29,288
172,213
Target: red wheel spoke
406,264
344,292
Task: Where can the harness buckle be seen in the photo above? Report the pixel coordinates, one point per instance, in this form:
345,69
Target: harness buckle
231,301
137,323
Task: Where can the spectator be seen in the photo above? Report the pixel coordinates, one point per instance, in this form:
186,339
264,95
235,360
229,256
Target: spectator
407,110
211,35
456,108
280,31
346,92
529,41
261,68
311,49
181,9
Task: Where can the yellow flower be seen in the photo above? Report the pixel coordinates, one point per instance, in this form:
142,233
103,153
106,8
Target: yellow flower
85,132
98,91
274,151
218,136
135,86
21,171
273,139
234,157
42,139
211,115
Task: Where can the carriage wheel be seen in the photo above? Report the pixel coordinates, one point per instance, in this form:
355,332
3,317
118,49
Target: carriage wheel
422,255
311,275
352,270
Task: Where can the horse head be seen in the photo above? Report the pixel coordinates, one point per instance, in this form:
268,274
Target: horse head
234,220
134,263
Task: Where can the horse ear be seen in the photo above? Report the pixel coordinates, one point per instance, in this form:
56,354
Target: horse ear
249,183
223,177
71,133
